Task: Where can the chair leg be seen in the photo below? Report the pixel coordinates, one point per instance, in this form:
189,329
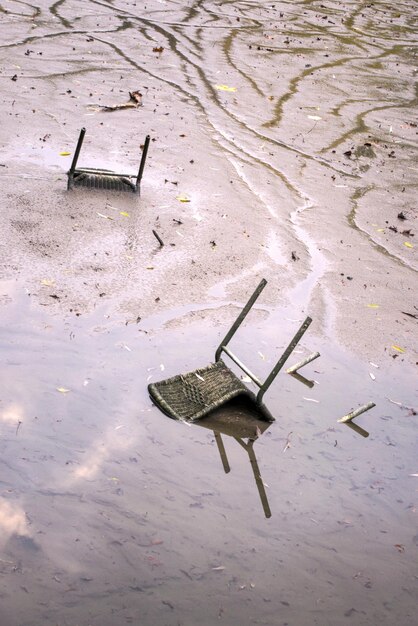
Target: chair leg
240,319
142,164
286,354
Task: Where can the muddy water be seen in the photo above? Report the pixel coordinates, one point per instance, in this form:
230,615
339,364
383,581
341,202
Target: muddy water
112,513
294,121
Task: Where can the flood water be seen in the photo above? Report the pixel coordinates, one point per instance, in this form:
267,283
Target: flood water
112,513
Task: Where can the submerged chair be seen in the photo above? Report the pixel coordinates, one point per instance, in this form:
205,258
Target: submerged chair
91,177
194,395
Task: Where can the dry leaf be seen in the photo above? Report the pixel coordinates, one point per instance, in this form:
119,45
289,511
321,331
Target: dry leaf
62,390
373,306
69,153
225,88
124,213
407,244
398,349
182,198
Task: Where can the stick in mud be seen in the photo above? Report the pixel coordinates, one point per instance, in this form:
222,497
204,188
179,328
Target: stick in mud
297,366
353,414
157,236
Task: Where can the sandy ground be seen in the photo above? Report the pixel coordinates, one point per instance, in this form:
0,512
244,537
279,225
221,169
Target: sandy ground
313,152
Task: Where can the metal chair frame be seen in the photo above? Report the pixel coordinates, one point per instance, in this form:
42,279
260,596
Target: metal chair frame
104,179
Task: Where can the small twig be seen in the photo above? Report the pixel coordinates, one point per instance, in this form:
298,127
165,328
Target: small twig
300,364
353,414
18,426
157,236
287,442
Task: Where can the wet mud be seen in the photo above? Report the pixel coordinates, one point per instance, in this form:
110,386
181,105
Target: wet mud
284,145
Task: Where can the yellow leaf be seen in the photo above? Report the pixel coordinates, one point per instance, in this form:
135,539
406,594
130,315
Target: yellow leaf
125,214
225,88
62,390
47,282
373,306
182,198
398,349
65,153
407,244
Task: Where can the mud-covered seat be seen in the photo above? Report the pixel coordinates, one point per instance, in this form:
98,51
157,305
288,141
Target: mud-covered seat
94,178
194,395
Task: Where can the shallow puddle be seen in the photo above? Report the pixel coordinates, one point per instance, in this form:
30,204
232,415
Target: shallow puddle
111,512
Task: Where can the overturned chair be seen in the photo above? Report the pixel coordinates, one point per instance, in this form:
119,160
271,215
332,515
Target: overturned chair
194,395
94,178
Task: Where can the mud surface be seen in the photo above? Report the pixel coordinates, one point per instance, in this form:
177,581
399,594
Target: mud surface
290,130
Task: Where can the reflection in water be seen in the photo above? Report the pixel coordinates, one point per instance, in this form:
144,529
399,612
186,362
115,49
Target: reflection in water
239,420
12,521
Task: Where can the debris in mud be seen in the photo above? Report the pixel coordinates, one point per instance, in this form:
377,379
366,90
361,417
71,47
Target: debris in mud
350,416
225,88
158,49
402,216
414,315
365,150
14,77
158,238
294,256
135,101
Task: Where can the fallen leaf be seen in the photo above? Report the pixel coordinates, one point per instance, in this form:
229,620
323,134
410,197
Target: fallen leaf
373,306
47,282
62,390
399,547
407,244
124,213
65,153
225,88
182,198
398,349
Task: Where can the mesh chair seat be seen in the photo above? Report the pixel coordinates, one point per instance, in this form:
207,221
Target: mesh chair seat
195,394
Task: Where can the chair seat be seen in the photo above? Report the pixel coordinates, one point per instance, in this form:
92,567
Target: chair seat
195,394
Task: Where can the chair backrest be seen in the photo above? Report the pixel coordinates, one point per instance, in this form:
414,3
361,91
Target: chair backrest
263,386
